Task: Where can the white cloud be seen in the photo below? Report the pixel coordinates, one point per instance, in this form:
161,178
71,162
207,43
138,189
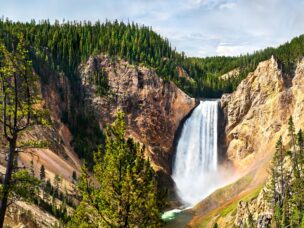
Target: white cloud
226,49
227,5
196,2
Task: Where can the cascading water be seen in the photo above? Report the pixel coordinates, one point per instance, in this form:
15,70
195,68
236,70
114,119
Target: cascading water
196,159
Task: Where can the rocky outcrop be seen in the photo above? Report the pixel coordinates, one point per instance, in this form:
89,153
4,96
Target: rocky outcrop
183,74
154,108
231,74
256,212
22,214
258,111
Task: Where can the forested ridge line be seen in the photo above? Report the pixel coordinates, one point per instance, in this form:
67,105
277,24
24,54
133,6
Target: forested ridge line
65,45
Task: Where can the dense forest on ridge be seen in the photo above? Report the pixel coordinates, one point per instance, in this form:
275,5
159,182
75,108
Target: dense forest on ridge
65,45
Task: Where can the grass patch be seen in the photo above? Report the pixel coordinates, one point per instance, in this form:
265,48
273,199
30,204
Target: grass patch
231,207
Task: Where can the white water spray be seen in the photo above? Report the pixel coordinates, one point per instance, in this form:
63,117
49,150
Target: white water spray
196,160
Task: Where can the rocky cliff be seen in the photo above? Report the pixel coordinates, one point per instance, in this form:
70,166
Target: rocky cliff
154,108
254,212
258,111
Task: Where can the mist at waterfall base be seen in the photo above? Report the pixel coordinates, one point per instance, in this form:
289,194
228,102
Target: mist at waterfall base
195,170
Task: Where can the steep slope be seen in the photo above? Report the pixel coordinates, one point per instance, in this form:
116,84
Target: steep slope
57,156
257,114
258,111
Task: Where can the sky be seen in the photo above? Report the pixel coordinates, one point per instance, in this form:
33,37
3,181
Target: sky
197,27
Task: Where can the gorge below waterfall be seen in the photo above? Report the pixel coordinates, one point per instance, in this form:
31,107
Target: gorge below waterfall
195,169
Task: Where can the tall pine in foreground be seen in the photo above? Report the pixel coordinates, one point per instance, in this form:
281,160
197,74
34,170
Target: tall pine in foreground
19,109
125,193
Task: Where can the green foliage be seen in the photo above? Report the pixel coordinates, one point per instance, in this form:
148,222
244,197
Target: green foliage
127,194
31,168
18,95
74,175
23,187
287,193
277,214
65,46
42,173
99,79
87,135
33,144
19,109
26,187
295,217
302,222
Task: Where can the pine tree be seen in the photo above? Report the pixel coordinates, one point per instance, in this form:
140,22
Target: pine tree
297,190
285,212
295,218
291,131
42,173
128,195
18,97
300,144
57,182
292,135
250,221
32,168
74,175
277,214
302,221
278,172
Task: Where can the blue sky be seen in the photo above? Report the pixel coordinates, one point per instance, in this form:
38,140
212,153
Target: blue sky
197,27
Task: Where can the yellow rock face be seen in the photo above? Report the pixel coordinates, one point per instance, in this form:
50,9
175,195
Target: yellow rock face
257,112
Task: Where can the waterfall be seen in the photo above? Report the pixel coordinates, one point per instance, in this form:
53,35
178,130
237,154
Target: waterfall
196,159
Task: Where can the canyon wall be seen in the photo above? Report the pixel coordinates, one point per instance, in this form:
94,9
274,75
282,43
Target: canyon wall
257,112
154,108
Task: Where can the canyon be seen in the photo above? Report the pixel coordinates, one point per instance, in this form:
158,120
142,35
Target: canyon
253,118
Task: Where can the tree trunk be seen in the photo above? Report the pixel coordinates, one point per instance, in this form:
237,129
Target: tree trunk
7,180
